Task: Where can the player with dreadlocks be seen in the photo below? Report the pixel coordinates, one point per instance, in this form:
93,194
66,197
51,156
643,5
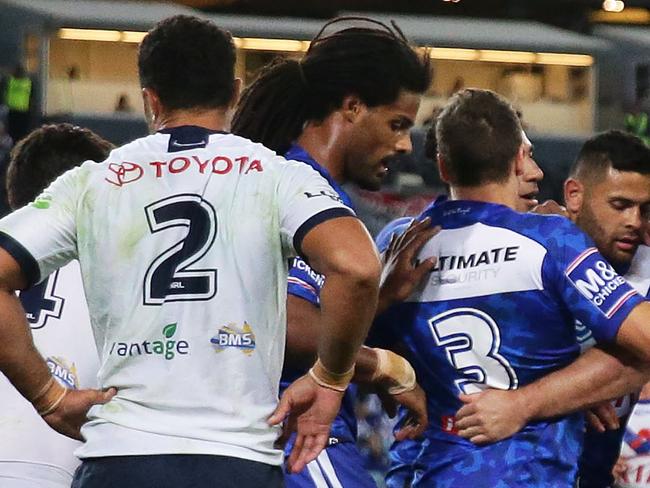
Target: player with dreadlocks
345,109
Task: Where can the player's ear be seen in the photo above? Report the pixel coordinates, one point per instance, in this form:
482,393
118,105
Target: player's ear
442,168
352,107
152,106
573,195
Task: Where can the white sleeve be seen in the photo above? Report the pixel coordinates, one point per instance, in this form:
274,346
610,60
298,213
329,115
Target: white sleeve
42,235
305,199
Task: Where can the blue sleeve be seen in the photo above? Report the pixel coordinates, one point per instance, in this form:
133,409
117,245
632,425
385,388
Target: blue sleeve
304,282
593,292
395,227
381,334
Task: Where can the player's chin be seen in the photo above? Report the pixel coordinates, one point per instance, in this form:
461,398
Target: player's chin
623,257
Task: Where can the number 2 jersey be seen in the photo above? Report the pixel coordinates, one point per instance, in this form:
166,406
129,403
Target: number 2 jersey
183,238
498,311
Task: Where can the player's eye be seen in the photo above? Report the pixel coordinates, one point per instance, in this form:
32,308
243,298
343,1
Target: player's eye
620,204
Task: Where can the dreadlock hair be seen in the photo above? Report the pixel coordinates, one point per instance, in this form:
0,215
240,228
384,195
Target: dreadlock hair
373,63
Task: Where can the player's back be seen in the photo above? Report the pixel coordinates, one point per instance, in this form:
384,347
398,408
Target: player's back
183,238
497,312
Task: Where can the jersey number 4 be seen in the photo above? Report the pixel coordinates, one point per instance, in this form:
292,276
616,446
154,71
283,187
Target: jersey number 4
41,303
471,340
170,277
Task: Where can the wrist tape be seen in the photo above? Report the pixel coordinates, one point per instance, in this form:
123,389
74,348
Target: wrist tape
395,371
327,379
49,397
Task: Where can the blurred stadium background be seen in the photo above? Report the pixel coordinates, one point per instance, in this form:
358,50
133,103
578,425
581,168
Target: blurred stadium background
572,67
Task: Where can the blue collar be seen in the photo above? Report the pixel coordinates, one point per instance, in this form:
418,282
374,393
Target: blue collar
297,153
188,137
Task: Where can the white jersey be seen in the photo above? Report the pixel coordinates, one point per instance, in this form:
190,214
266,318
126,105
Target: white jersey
30,451
635,452
183,239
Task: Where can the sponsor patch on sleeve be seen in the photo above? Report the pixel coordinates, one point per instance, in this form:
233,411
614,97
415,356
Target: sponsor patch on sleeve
598,282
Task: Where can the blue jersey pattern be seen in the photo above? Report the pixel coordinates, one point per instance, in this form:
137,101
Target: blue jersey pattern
498,311
306,284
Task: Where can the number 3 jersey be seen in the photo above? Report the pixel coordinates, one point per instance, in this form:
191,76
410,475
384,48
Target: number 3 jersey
183,239
498,311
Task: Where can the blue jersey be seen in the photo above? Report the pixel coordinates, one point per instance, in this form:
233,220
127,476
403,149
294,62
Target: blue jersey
306,284
498,311
601,449
402,454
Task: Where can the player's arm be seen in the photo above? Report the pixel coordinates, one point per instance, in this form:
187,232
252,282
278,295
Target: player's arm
601,373
390,374
342,250
64,410
34,241
597,375
616,315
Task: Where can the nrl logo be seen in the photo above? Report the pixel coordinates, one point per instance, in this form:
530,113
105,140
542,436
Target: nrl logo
124,173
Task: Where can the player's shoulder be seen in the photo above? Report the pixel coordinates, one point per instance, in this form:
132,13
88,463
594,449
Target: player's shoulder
395,227
551,231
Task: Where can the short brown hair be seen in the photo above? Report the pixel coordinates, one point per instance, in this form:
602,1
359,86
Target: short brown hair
478,135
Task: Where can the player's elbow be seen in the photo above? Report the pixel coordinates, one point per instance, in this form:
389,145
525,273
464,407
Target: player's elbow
360,271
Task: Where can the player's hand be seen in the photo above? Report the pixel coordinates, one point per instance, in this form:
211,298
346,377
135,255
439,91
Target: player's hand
309,410
415,401
70,415
550,207
401,273
490,416
603,417
620,469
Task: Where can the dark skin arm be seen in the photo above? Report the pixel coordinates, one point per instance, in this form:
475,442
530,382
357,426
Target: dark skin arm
400,277
597,375
23,365
348,301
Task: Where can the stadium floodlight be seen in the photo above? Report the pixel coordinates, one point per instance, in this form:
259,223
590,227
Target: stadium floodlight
613,5
260,44
90,34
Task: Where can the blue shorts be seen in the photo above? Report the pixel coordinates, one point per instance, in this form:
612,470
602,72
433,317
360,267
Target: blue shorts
175,471
504,464
337,466
403,455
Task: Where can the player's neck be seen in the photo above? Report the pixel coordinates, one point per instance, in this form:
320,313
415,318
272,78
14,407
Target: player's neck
324,141
499,193
213,119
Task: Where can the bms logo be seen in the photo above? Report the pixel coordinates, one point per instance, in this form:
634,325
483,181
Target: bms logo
231,336
62,371
166,346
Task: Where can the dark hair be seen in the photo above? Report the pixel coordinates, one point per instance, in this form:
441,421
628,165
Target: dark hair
478,134
46,153
620,150
373,63
189,63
